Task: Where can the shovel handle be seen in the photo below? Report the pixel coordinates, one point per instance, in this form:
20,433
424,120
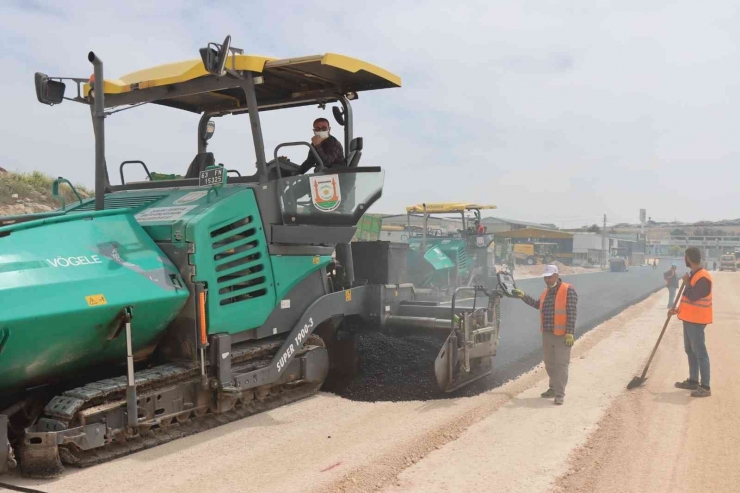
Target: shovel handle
665,325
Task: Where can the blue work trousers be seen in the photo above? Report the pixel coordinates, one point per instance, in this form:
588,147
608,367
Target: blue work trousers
671,295
696,349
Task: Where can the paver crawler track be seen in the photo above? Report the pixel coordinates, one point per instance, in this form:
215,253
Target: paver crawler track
65,407
102,403
83,458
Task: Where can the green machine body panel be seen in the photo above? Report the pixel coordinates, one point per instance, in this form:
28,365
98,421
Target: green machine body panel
289,271
436,269
232,259
437,258
230,253
245,284
64,283
224,231
65,279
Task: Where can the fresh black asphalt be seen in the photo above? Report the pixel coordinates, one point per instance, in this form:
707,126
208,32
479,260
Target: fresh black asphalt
399,369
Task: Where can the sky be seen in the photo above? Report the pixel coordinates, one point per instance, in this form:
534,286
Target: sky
557,112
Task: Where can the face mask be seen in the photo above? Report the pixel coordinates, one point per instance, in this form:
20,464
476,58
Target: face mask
323,134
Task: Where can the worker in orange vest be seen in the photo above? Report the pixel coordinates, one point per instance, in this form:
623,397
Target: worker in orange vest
557,306
695,310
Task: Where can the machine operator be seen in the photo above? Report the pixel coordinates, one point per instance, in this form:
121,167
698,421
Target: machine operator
326,146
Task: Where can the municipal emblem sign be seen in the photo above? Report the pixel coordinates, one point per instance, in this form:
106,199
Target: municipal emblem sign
325,193
480,241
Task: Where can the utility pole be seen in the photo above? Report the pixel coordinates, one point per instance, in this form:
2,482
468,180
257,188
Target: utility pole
603,244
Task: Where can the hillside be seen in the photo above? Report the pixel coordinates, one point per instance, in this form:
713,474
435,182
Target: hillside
26,193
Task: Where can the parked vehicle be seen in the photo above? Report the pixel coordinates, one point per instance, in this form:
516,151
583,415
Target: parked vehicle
728,262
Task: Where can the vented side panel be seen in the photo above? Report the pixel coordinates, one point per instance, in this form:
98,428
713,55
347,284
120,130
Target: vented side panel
120,201
239,263
231,258
462,259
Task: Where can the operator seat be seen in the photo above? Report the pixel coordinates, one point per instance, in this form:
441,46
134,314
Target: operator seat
199,163
355,152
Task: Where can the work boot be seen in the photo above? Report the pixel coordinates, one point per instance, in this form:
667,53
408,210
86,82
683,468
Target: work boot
688,384
701,391
548,394
559,401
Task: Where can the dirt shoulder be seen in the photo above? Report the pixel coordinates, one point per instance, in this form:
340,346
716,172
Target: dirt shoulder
658,438
524,445
605,438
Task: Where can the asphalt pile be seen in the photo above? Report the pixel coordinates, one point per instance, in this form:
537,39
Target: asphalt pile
394,369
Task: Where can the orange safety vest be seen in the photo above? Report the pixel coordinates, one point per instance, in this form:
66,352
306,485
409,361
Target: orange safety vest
699,311
561,316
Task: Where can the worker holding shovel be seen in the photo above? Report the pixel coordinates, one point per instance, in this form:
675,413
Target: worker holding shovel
557,306
695,310
671,280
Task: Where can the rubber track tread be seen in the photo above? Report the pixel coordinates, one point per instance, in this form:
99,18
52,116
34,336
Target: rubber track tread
64,407
159,436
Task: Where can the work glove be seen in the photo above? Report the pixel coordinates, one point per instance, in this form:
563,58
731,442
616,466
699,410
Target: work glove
518,293
569,340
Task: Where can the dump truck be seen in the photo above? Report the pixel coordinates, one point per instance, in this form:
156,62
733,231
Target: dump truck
535,253
163,307
728,262
618,264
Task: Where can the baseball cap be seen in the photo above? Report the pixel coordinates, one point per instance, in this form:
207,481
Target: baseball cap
550,270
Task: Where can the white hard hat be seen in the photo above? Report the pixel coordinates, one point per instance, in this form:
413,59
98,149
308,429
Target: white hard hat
550,270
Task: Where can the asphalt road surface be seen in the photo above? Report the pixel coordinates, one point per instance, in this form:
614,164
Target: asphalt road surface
601,296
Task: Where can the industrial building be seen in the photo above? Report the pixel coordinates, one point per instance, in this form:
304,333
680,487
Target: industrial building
591,248
501,225
711,246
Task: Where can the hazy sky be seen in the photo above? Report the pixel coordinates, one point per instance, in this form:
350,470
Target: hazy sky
554,111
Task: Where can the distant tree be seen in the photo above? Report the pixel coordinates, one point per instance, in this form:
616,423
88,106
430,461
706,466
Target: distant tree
678,232
594,228
675,250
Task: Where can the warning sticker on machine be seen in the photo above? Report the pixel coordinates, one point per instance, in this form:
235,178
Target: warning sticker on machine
191,197
96,300
157,214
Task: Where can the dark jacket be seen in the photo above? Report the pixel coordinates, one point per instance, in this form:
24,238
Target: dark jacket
702,289
331,153
672,282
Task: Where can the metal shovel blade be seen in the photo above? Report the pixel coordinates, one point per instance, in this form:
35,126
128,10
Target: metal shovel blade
635,382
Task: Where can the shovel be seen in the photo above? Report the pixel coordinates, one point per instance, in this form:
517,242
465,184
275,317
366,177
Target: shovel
637,381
